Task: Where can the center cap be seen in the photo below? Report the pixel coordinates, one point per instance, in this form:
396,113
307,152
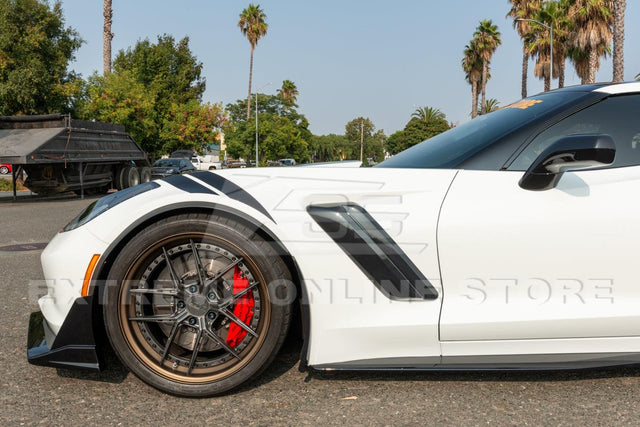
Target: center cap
197,304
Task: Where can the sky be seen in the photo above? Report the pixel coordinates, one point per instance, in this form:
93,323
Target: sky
348,58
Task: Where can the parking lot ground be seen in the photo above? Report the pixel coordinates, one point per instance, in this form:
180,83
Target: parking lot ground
283,395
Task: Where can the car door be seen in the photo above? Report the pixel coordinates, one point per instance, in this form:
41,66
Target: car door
556,264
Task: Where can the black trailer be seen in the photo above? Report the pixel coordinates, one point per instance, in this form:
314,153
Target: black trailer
61,154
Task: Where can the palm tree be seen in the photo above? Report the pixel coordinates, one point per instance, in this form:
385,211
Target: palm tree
288,93
472,66
107,36
487,39
580,60
619,7
553,14
428,114
491,105
253,25
593,22
524,9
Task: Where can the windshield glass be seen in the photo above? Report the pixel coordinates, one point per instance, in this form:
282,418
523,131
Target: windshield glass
167,163
451,148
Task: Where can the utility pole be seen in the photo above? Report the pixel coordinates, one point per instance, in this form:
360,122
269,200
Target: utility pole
361,139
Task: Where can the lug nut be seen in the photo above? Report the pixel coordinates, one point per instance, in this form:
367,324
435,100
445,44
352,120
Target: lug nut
180,305
211,315
192,321
211,296
193,288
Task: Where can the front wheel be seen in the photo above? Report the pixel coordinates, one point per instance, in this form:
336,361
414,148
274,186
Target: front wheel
197,305
4,170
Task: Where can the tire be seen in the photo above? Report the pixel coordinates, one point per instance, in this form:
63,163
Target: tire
4,170
128,177
121,181
212,168
133,177
160,350
145,174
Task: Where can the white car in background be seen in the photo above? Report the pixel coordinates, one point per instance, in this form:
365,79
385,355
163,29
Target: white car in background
508,242
207,162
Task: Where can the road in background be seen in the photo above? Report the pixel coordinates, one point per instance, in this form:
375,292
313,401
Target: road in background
283,395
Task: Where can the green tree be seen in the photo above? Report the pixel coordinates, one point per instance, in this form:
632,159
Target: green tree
35,50
487,39
283,132
373,141
427,114
253,25
327,148
152,84
166,68
553,14
415,132
593,21
192,126
119,98
490,106
288,93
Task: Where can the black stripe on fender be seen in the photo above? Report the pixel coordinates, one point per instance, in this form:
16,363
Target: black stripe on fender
230,189
188,185
373,251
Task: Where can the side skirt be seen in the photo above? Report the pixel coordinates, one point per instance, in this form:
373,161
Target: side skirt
534,362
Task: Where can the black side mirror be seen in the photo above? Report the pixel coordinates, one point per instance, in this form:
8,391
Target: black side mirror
574,152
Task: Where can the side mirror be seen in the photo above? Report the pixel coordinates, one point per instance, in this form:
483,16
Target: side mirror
574,152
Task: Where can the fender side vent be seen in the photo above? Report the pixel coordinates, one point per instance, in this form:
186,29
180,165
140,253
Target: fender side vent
373,251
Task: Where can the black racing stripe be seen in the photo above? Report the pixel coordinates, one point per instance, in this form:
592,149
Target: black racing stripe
373,250
188,185
231,190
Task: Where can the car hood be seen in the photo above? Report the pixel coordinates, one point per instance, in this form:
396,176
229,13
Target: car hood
159,169
282,193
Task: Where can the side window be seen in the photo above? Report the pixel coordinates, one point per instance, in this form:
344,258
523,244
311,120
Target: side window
617,116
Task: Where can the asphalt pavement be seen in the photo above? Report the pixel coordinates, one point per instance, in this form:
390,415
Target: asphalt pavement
283,395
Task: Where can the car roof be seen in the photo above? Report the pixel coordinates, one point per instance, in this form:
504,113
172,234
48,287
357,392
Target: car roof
616,88
607,87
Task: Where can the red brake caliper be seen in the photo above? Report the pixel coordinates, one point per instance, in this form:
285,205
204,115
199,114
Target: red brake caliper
243,309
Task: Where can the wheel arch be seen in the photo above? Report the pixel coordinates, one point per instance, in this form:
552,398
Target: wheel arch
101,273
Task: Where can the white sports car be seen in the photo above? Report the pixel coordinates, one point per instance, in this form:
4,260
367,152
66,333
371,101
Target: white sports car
509,242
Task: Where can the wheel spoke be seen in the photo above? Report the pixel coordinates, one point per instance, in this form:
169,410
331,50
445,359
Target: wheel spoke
239,322
155,291
160,318
174,331
233,298
226,269
220,342
196,349
198,261
172,271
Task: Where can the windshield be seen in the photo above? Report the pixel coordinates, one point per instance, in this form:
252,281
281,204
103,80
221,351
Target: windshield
167,163
451,148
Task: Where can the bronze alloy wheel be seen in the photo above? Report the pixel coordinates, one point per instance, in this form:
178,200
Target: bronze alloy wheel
193,313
